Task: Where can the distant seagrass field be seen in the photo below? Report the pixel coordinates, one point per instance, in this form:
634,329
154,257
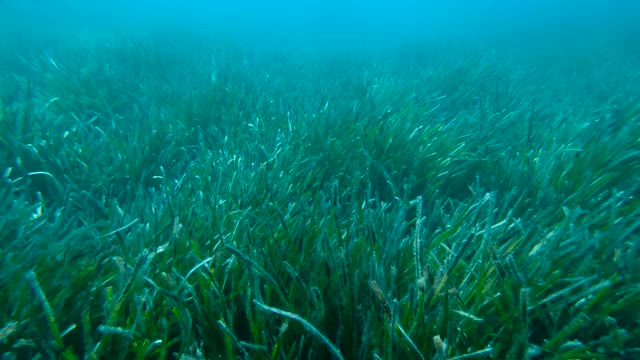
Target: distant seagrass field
183,196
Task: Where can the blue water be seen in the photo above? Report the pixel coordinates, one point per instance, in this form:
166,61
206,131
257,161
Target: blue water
332,24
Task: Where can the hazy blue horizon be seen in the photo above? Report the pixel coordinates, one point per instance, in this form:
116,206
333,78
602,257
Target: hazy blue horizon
324,24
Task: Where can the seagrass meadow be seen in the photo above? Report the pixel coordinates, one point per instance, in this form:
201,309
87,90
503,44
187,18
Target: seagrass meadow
181,198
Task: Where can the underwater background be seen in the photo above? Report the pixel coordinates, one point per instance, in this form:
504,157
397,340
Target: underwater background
319,179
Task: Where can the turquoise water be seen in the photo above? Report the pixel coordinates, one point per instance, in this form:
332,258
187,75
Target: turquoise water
284,180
